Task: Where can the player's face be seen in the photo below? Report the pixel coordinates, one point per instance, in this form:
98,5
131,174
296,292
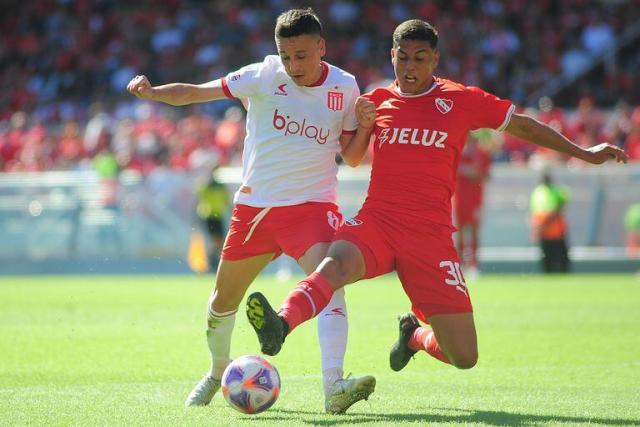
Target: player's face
413,63
301,56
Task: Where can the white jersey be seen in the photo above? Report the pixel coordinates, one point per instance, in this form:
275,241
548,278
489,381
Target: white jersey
292,132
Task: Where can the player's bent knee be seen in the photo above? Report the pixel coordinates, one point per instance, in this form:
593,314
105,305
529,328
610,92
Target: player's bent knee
465,361
224,299
336,270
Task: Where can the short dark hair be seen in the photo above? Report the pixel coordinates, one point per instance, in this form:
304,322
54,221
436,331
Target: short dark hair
296,22
415,29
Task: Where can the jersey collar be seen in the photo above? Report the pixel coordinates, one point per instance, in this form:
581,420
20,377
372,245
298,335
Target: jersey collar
323,75
396,88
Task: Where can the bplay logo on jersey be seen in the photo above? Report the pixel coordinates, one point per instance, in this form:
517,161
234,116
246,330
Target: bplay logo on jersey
424,137
444,105
291,126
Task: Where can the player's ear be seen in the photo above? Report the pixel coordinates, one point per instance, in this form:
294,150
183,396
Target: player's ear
322,46
393,56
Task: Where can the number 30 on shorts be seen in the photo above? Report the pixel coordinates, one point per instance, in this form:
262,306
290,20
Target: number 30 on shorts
455,279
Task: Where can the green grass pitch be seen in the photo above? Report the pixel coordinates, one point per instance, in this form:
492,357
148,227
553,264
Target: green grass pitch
96,351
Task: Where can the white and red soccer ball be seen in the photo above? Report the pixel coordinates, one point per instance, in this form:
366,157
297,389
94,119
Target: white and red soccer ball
250,384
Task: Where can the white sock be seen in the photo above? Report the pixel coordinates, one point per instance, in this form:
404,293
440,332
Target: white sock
219,330
333,328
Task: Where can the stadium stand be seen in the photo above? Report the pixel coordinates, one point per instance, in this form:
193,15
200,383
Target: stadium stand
64,66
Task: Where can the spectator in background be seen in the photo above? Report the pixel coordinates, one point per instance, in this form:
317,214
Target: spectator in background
473,172
632,229
549,225
549,114
632,143
213,206
230,135
58,56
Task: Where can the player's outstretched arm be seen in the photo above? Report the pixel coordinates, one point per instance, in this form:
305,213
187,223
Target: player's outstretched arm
354,147
529,129
176,93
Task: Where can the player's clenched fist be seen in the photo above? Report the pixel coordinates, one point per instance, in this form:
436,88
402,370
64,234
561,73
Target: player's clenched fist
140,87
365,112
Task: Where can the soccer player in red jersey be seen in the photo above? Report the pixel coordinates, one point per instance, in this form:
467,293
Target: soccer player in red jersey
473,172
420,125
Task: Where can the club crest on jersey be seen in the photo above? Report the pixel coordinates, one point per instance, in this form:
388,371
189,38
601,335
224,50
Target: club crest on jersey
335,100
444,105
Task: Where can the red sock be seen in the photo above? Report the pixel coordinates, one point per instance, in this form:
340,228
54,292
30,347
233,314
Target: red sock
424,339
306,300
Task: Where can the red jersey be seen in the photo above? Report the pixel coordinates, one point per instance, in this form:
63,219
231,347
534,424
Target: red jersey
418,143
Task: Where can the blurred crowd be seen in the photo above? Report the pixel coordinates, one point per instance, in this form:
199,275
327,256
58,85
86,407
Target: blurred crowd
64,65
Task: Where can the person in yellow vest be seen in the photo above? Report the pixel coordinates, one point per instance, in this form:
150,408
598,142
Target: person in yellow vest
213,206
549,225
632,228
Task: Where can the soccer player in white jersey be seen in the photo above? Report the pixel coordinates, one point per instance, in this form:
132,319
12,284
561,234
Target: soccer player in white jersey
300,113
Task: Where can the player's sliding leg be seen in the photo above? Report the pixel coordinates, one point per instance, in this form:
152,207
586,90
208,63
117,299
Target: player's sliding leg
451,340
344,264
232,280
401,352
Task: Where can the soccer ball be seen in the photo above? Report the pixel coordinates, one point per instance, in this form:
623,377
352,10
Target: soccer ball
250,384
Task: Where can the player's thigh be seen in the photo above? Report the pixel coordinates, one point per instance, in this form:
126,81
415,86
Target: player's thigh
249,234
301,230
313,256
360,248
233,278
344,263
456,335
429,270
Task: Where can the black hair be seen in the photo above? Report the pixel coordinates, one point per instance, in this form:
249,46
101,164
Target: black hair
296,22
415,29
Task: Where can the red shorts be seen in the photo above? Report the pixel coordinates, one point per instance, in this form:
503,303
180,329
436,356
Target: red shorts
423,255
289,229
